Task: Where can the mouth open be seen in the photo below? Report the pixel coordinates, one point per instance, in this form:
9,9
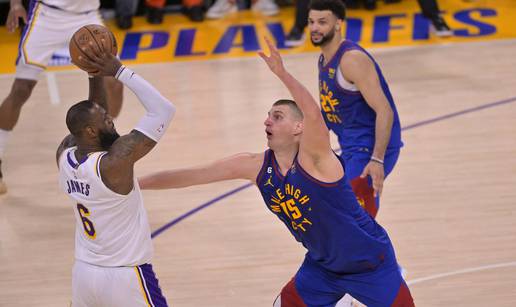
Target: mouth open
269,134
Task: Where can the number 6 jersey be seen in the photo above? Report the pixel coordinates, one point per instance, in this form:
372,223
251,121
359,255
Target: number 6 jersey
111,229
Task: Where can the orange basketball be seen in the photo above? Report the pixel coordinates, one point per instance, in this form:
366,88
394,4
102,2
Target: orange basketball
102,38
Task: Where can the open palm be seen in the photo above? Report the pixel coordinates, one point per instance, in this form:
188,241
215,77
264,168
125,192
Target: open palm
274,61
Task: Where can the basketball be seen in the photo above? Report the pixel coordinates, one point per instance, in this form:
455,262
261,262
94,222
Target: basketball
102,38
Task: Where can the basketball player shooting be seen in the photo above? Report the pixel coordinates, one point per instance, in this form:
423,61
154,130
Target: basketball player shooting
96,167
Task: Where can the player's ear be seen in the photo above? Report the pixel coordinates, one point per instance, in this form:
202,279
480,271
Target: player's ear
298,129
90,132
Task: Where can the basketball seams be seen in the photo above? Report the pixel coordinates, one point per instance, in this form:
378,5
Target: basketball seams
104,40
79,50
94,38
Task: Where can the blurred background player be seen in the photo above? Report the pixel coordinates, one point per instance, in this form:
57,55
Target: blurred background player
429,8
49,25
356,104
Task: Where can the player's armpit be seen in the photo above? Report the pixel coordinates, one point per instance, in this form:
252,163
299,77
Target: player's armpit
68,141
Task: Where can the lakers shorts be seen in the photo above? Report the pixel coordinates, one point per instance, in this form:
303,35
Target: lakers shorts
95,286
48,29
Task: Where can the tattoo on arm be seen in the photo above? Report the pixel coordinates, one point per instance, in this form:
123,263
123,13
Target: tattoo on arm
118,165
132,147
68,141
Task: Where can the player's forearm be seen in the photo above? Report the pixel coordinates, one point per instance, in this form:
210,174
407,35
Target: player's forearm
97,92
384,120
301,95
178,178
160,110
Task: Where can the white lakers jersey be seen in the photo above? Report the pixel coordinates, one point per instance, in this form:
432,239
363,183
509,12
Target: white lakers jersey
74,6
111,229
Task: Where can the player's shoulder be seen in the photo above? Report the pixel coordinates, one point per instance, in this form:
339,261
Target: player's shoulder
67,142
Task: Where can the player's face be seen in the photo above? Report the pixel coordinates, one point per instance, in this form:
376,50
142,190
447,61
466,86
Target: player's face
106,128
281,127
323,26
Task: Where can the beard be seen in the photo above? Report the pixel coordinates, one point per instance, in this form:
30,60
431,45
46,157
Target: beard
107,138
324,40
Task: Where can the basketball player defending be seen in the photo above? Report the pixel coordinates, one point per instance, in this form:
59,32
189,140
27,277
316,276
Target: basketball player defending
304,183
49,26
356,104
113,245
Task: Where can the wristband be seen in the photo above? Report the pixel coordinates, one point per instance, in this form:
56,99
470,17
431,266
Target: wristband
375,159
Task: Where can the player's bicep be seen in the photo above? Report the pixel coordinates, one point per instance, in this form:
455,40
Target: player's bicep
129,148
239,166
68,141
360,70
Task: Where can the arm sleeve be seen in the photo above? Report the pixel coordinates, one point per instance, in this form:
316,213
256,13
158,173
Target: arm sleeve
160,110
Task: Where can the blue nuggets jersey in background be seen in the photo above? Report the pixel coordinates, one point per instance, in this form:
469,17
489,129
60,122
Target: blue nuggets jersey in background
325,217
346,112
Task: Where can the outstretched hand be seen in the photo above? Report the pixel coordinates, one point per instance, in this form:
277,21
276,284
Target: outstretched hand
105,63
274,61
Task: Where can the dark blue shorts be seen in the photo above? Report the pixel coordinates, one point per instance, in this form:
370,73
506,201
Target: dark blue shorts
381,287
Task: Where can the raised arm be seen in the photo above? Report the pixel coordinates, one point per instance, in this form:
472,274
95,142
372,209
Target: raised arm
117,165
315,141
97,91
315,133
239,166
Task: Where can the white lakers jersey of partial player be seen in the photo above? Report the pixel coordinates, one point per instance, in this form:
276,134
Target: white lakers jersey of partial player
111,229
74,6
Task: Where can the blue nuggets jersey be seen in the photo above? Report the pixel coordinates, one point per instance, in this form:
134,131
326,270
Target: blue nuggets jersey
325,217
345,111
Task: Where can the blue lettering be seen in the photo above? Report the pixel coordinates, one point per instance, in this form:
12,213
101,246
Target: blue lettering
278,32
76,186
185,43
354,29
249,39
87,190
382,26
421,27
69,189
132,41
483,28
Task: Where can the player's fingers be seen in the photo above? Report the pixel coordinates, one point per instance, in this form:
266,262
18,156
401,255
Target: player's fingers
262,55
24,17
95,50
14,23
9,23
364,173
86,60
269,44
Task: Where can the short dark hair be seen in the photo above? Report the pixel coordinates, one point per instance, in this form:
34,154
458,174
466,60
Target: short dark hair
337,7
79,116
292,104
